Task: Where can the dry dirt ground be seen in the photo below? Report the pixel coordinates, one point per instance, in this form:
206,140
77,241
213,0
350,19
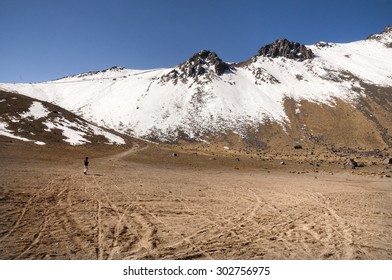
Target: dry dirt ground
140,202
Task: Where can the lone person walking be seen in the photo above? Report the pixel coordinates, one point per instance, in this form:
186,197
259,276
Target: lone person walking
85,166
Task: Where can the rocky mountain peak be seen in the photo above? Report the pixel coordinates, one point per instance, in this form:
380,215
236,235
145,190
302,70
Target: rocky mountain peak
202,64
384,37
387,30
287,49
91,73
199,63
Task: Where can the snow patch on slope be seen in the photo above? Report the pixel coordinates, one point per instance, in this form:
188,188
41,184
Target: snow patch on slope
72,133
36,111
37,116
75,133
9,133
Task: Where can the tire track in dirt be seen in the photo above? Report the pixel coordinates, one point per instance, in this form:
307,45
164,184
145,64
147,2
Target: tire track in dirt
146,235
78,228
29,202
68,231
109,202
302,230
140,208
146,230
65,230
106,241
267,231
314,230
146,238
205,229
342,228
110,242
37,236
242,226
102,243
100,248
236,226
116,235
284,230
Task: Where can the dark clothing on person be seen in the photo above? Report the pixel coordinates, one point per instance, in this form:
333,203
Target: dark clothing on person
85,166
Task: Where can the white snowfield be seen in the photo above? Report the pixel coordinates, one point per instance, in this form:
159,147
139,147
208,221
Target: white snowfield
143,104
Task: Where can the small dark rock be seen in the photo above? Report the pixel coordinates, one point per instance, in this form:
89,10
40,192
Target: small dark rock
352,163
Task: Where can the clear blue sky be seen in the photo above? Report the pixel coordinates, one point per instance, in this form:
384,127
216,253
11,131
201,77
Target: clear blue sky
42,40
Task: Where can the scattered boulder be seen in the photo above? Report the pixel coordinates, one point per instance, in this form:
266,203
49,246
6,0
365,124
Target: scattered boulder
352,163
174,155
387,161
297,147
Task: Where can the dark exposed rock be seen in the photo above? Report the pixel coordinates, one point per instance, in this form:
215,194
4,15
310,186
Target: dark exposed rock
203,63
287,49
206,58
322,44
221,67
262,76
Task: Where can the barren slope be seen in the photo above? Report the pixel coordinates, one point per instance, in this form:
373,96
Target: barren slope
150,205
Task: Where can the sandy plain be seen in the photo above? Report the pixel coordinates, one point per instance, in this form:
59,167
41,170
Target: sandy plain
141,202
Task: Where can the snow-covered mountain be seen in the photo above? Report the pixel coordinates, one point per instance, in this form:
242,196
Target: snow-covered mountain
31,120
205,96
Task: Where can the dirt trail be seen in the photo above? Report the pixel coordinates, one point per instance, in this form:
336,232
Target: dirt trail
135,148
127,210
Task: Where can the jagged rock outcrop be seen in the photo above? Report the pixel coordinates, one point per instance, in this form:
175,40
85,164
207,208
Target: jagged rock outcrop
205,58
91,73
287,49
384,37
204,63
